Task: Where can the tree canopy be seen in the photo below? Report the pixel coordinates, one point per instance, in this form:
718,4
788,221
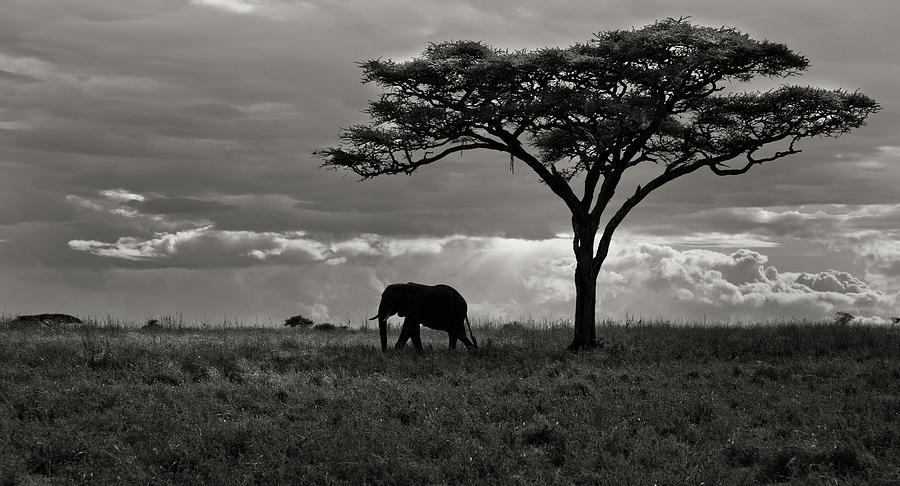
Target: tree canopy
664,94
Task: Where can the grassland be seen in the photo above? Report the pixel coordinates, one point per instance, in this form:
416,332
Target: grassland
817,404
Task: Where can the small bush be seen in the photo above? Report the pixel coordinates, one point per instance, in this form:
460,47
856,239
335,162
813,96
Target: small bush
298,321
843,318
152,325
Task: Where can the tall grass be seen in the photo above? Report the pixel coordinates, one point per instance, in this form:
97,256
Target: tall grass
654,403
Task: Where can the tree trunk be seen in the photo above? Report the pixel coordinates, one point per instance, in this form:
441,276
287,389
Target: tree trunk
585,308
585,285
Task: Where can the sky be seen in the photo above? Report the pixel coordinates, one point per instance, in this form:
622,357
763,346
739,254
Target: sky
155,160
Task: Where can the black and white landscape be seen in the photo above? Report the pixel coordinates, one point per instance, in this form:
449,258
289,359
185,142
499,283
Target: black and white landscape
629,242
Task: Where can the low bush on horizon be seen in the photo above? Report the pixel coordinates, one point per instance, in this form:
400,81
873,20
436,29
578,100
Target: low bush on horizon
653,403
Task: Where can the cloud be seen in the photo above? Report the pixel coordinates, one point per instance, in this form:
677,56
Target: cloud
879,254
830,221
126,208
833,281
14,125
644,274
121,195
84,203
234,6
130,248
16,77
861,237
735,285
714,240
181,206
205,244
208,246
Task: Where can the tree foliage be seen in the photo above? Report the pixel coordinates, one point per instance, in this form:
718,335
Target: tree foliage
664,94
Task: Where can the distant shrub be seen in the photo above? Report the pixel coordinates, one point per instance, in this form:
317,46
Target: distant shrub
298,320
843,318
325,326
152,325
45,321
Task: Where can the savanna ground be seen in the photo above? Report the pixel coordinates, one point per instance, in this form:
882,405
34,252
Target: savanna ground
800,403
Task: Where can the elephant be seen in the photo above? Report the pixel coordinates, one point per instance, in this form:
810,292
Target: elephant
438,307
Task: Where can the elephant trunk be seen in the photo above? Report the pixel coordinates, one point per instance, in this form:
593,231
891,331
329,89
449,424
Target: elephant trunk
382,328
385,310
383,313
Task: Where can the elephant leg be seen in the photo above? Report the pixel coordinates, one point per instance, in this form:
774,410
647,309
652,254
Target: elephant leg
405,334
452,340
415,335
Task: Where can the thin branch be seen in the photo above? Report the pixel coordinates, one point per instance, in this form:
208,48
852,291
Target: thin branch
452,150
751,161
671,173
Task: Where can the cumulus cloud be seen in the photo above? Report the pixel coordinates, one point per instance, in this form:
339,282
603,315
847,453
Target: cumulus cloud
833,281
879,250
860,236
734,285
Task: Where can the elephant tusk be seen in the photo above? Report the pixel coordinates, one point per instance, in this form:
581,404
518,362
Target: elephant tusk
373,318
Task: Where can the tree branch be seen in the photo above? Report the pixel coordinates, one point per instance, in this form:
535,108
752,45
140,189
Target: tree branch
671,173
368,166
751,161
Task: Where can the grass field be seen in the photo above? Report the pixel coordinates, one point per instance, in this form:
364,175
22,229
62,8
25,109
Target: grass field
817,404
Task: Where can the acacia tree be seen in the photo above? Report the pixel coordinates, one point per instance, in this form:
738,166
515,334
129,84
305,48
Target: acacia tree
580,117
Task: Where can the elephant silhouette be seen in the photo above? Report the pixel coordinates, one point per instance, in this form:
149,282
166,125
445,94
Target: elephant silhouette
438,307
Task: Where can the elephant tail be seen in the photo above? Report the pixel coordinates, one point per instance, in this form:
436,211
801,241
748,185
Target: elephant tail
472,335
